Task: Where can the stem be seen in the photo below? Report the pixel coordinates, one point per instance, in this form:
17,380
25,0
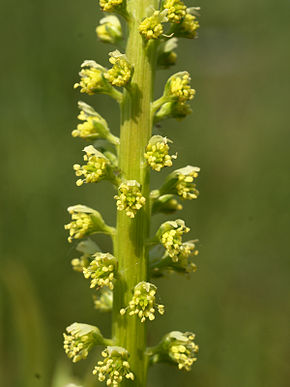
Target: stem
130,241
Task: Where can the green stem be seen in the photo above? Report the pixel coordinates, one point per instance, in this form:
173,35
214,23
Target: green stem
130,246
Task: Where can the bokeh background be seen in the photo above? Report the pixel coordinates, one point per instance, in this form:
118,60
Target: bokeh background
238,300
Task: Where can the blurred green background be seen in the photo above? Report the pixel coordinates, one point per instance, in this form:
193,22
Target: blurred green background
238,300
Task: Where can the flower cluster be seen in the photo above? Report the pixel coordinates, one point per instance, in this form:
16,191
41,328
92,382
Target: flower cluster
92,78
151,27
178,86
80,340
93,126
157,153
101,270
182,349
176,10
85,221
109,30
94,170
130,198
110,5
115,366
185,185
170,236
143,302
121,72
188,27
103,301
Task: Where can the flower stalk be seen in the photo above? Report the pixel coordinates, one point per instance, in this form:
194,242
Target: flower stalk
121,279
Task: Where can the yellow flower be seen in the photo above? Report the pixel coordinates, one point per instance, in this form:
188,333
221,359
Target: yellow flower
178,86
101,270
151,27
143,303
92,78
176,10
121,72
79,340
95,169
110,5
157,153
130,198
188,27
114,367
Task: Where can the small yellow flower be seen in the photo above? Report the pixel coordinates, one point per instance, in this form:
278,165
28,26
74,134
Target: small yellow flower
188,27
101,270
114,367
176,10
130,198
157,153
94,170
179,87
185,186
182,349
92,78
79,340
151,27
121,72
143,303
110,5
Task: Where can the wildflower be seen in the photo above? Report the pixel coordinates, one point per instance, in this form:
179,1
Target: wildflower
170,236
157,153
178,87
101,270
94,126
96,168
85,221
121,72
130,198
80,339
166,55
104,300
110,5
92,78
109,30
188,27
143,303
179,348
151,27
181,182
115,366
176,10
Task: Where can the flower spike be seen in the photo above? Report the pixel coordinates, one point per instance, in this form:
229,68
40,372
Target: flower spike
130,198
109,30
143,303
115,366
157,153
101,270
80,339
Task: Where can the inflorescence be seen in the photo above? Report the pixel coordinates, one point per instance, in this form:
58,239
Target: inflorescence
130,198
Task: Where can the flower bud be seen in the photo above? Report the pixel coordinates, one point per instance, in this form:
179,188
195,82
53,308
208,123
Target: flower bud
130,198
101,270
151,27
143,303
157,153
109,30
166,55
165,204
114,367
121,72
80,339
188,27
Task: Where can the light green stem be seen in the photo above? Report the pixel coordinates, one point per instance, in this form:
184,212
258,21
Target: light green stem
131,236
